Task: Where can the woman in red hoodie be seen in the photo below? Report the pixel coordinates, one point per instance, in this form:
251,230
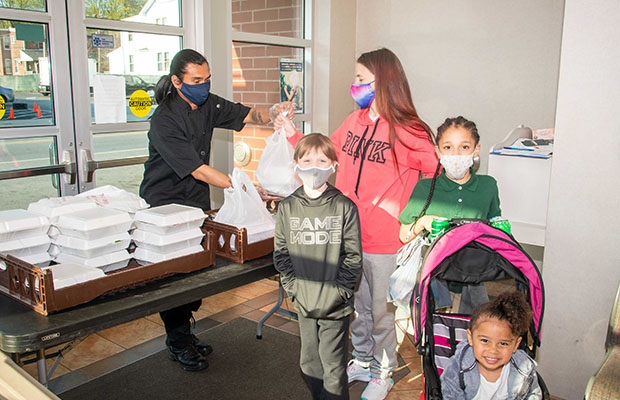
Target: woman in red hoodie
383,148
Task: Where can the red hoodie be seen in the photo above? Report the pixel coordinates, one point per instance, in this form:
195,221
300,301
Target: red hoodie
368,176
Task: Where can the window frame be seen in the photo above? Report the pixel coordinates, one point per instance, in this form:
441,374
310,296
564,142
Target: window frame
206,25
306,43
78,27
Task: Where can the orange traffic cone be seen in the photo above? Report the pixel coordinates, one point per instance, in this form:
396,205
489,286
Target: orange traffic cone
11,114
34,107
38,111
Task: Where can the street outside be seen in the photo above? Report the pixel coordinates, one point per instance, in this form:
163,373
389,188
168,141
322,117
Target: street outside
35,152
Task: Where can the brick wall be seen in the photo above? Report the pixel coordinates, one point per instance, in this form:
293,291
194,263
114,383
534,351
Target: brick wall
256,68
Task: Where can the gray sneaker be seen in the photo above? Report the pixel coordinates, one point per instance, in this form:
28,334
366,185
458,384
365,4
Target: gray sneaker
358,371
377,389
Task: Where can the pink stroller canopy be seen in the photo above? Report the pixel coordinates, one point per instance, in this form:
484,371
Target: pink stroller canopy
495,239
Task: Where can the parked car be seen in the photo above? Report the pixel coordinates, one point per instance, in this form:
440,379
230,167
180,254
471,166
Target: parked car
133,83
44,90
7,94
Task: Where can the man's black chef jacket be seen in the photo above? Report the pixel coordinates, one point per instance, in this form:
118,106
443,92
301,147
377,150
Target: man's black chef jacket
180,142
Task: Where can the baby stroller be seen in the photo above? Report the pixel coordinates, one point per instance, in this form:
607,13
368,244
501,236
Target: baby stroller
470,252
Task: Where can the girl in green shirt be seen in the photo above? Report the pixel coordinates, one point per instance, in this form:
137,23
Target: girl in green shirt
456,193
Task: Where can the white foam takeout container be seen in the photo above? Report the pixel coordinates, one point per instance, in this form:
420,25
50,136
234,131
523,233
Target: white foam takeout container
167,243
39,243
145,257
41,260
68,274
94,223
54,207
107,262
169,219
89,248
18,224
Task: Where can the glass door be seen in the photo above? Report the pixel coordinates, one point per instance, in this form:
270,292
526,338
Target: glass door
77,83
37,152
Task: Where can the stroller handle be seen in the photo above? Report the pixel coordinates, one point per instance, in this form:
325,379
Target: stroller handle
463,221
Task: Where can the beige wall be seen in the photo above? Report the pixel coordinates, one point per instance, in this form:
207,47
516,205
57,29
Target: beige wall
342,66
499,63
582,261
334,63
493,62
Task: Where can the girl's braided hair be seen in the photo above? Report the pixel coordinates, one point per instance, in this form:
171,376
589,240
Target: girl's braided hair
508,306
458,122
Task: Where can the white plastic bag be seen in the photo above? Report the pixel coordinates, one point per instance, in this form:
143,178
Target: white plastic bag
243,208
402,281
275,171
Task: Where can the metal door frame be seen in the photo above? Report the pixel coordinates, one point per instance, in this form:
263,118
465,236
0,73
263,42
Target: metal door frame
73,130
56,21
84,129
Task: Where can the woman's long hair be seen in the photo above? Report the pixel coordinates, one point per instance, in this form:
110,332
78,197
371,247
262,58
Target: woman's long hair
165,90
393,95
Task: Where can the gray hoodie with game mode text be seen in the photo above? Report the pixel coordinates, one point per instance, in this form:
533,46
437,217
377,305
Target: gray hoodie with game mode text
318,252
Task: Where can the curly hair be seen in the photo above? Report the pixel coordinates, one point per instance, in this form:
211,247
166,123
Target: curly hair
508,306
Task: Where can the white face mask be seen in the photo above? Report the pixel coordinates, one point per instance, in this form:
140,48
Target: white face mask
456,165
314,177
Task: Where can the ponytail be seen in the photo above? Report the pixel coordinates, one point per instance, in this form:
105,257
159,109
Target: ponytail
164,91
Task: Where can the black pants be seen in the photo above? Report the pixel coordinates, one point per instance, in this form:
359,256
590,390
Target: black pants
323,358
177,324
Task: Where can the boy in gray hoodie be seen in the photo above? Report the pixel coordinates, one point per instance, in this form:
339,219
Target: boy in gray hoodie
317,250
490,365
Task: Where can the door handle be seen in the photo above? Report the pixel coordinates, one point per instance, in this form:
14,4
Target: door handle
52,155
88,166
66,167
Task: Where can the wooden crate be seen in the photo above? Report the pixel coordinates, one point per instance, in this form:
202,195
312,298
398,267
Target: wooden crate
34,287
241,251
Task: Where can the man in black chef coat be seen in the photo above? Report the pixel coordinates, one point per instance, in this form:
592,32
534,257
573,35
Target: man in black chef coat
178,171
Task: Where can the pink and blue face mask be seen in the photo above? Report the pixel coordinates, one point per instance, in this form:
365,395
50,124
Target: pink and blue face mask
363,94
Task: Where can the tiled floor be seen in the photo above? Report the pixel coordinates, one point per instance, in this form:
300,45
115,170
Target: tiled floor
250,301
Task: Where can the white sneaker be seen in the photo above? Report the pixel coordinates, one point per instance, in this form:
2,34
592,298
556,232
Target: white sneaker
358,371
377,389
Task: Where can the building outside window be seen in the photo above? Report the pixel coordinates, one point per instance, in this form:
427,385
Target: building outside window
166,61
160,62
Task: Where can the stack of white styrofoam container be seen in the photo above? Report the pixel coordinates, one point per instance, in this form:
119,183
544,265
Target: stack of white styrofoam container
23,234
54,207
95,237
167,232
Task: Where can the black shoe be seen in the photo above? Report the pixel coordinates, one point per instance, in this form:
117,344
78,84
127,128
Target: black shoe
189,358
203,348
